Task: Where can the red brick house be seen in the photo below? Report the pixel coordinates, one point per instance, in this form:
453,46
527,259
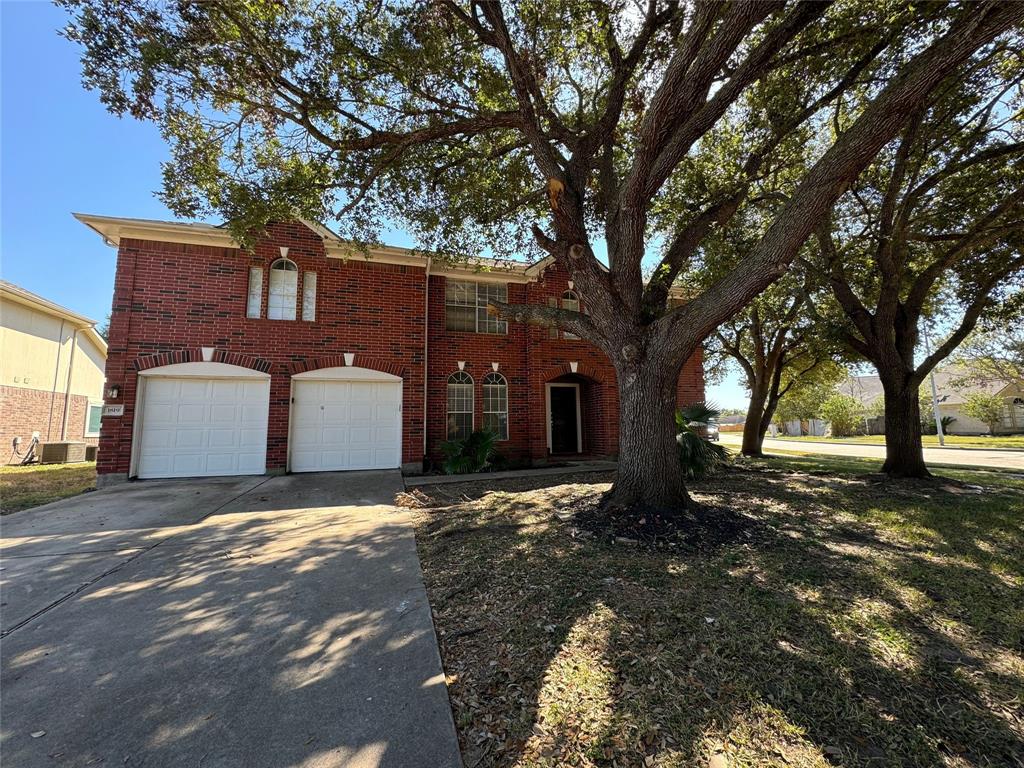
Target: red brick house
304,354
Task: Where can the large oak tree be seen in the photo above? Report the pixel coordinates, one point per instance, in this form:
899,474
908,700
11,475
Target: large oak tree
932,231
555,125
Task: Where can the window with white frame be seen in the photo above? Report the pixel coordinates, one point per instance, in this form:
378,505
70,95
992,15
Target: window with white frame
255,303
460,406
571,302
284,286
93,419
309,296
466,306
496,405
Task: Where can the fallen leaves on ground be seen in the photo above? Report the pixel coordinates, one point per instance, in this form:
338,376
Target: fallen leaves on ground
859,627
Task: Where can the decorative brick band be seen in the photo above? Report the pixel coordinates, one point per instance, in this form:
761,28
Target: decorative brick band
338,361
564,369
195,355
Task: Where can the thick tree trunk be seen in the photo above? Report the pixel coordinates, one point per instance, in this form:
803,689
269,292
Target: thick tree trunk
754,427
904,454
649,475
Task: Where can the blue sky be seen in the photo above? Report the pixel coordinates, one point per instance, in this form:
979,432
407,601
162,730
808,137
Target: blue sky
61,151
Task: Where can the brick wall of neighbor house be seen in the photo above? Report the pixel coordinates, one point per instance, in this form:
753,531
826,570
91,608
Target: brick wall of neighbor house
171,299
35,410
175,298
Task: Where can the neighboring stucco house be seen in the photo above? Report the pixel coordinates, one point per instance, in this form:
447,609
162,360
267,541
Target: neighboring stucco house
304,354
51,372
952,391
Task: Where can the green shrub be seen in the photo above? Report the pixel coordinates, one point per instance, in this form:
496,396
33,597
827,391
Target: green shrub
844,413
698,456
984,407
472,454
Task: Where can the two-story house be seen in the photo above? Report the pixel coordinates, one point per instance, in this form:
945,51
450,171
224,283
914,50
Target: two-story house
303,354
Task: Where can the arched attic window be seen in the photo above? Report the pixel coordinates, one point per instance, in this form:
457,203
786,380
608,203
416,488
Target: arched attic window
460,406
496,405
284,285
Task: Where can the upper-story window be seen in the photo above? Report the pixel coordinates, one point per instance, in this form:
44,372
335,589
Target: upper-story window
309,296
570,300
282,298
255,303
465,305
284,286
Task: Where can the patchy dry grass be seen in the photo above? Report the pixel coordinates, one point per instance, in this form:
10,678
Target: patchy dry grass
24,487
866,623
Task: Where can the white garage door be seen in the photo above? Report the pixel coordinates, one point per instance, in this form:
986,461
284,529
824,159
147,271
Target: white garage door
346,425
202,427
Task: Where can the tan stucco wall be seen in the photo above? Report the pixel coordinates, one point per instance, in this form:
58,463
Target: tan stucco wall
35,353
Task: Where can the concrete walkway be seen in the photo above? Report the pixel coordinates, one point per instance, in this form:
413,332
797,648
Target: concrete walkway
227,622
981,457
595,465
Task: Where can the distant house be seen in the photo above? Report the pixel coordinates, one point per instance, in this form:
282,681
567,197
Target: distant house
51,372
952,394
805,427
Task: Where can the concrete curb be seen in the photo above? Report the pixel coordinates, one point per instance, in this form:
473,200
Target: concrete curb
929,445
588,466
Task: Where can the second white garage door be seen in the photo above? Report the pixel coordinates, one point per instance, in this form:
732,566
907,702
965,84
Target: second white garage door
349,424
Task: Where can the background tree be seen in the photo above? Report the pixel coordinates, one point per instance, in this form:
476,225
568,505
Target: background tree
844,413
934,228
803,400
985,407
994,351
775,340
471,123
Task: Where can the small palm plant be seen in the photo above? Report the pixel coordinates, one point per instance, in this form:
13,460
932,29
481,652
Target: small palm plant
698,456
472,454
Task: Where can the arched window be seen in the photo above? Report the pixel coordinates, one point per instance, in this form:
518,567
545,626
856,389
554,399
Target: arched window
496,405
460,405
570,301
284,286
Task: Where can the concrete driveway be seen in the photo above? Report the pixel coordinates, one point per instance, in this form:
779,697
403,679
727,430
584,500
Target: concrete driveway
224,622
960,457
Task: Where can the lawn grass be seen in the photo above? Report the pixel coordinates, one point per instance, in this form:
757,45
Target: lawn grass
24,487
963,441
867,623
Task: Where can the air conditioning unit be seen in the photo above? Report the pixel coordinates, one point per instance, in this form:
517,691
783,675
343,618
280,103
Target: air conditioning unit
61,453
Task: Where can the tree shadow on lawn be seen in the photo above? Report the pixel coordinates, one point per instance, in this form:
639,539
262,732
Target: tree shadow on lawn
830,639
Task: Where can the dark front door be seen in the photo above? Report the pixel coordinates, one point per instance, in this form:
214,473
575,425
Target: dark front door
564,424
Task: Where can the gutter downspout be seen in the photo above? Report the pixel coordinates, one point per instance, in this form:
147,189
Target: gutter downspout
67,391
426,346
56,374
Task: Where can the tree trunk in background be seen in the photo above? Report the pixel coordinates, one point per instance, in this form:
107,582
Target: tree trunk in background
753,433
904,453
649,474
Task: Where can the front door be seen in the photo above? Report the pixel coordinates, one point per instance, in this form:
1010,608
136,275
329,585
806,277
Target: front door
565,427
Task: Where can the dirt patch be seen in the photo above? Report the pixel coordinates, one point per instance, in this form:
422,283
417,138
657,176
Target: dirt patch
703,528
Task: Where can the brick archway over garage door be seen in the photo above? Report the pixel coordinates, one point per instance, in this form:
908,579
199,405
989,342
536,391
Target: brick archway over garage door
195,355
338,361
